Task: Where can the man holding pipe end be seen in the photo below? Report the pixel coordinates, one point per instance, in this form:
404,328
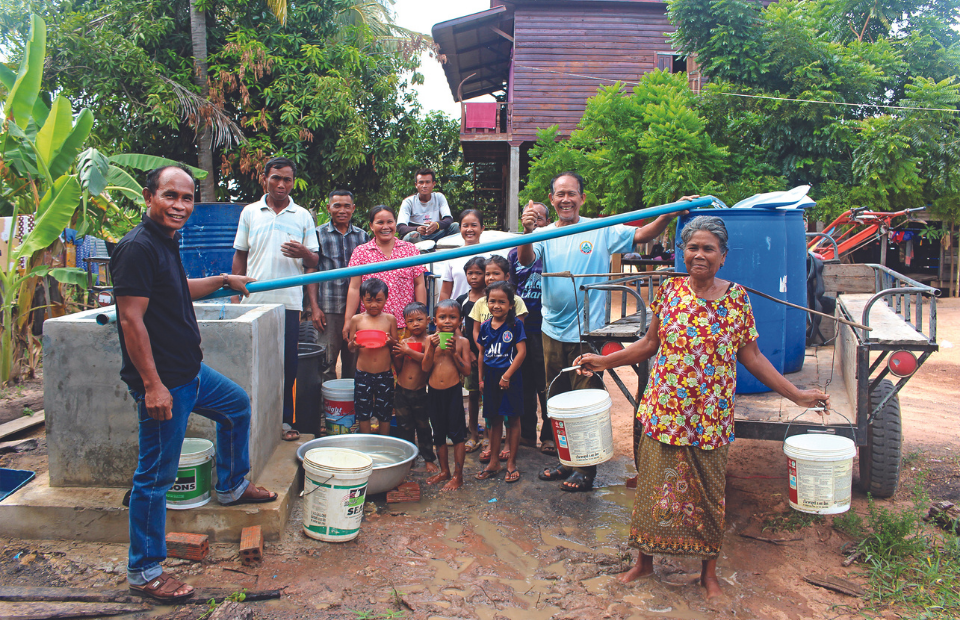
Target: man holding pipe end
160,348
563,317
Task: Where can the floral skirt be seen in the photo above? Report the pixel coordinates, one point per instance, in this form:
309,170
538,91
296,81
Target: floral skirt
679,509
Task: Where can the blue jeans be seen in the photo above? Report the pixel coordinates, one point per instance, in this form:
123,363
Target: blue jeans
416,237
215,397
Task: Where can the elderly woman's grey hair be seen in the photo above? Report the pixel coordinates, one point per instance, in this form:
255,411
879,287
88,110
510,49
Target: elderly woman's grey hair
709,223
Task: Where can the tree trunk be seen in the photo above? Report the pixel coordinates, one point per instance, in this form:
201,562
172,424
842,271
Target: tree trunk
198,35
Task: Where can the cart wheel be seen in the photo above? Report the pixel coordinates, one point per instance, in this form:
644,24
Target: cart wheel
308,332
880,458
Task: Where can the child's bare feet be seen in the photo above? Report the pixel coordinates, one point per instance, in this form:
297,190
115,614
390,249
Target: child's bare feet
643,568
439,477
430,467
455,483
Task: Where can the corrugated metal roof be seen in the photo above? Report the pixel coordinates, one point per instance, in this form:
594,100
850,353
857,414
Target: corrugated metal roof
477,52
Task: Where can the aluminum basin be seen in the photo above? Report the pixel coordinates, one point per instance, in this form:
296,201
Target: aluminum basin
392,457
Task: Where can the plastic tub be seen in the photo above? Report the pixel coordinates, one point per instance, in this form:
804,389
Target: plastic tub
821,472
582,427
338,406
334,490
192,487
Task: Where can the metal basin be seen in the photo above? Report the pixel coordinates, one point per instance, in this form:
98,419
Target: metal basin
392,457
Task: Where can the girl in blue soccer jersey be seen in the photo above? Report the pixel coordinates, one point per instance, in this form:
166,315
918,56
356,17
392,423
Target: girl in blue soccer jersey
502,350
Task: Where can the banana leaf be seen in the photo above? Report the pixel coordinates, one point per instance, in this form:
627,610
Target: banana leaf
56,209
93,167
64,275
72,145
25,90
54,132
143,162
118,179
8,78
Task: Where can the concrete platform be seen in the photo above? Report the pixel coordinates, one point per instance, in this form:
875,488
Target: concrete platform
39,511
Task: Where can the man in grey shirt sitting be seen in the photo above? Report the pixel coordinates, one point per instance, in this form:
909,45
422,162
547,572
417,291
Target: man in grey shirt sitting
425,215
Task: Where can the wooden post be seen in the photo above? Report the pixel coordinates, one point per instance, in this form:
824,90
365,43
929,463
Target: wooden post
513,189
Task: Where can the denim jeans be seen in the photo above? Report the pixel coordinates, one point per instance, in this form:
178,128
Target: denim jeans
215,397
416,237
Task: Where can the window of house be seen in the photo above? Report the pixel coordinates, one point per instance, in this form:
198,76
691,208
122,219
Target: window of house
670,62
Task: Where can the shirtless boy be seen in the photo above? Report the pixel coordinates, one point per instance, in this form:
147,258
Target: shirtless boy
446,395
410,400
373,381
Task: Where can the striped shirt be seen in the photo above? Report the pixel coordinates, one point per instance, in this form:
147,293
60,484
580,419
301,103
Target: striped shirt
261,232
335,252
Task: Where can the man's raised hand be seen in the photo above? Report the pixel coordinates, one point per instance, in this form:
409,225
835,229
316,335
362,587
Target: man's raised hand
529,218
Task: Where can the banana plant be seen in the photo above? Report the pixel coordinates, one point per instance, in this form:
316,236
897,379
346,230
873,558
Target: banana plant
38,146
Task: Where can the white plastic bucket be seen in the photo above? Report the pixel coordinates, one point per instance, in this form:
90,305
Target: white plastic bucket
821,472
338,406
334,490
582,427
192,487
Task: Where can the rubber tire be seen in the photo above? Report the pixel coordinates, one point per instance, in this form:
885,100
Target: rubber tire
308,332
880,458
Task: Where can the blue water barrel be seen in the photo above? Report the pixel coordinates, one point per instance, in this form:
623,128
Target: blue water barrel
206,245
795,335
756,258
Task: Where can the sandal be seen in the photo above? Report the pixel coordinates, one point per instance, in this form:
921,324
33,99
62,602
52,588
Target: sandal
485,456
560,472
253,495
577,483
472,445
549,448
512,476
486,474
163,589
505,454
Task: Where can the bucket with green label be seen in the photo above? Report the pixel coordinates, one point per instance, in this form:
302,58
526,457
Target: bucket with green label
334,489
192,487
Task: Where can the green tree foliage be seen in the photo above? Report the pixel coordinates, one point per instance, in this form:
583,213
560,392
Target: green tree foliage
869,54
642,147
326,89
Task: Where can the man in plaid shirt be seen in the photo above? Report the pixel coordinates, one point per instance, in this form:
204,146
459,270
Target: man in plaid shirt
328,300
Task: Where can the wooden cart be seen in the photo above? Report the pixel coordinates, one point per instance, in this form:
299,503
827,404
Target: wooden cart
863,371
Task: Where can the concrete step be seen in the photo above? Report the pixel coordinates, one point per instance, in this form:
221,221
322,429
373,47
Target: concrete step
39,511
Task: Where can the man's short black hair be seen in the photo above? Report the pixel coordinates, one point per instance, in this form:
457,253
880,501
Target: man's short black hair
153,177
414,307
340,192
373,287
569,173
280,162
448,303
422,172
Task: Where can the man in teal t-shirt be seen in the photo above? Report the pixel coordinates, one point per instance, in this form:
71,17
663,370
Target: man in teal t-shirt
563,314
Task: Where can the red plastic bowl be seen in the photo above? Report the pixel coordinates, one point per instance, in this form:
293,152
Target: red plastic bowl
371,338
416,346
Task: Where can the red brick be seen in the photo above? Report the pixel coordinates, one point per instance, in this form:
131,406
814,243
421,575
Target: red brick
406,492
187,546
251,545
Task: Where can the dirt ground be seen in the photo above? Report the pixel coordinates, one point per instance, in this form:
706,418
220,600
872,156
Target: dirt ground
527,551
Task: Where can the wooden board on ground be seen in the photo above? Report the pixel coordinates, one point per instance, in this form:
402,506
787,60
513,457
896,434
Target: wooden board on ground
21,424
49,611
888,326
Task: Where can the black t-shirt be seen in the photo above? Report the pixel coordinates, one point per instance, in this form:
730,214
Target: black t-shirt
465,307
146,263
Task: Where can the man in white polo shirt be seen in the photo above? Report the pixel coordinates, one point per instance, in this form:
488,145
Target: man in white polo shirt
276,238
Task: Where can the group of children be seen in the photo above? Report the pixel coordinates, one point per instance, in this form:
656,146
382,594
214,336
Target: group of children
479,337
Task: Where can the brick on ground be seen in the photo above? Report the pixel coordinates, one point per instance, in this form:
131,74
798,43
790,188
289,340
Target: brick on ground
187,546
406,492
251,545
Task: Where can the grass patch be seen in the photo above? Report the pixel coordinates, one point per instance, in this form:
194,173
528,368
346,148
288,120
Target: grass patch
908,563
791,521
851,524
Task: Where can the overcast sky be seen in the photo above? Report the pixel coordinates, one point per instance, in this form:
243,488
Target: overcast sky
421,15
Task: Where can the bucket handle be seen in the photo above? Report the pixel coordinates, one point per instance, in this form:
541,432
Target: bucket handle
305,493
562,370
822,423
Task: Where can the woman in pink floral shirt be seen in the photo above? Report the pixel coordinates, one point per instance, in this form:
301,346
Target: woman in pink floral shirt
701,327
405,285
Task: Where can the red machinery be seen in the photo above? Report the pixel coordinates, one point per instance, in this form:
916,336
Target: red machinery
854,229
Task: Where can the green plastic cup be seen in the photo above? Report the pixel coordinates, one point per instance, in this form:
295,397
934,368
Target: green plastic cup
445,338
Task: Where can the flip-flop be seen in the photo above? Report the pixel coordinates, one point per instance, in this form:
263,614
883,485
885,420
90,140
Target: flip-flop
486,474
253,495
485,456
162,589
472,445
560,472
512,476
577,483
505,454
549,448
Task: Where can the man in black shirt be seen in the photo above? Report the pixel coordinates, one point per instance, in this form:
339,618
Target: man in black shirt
160,346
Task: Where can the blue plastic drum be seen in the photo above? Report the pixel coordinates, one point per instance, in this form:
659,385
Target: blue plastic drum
206,245
795,335
756,258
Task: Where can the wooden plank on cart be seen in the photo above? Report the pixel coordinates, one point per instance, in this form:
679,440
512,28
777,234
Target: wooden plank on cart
888,326
854,278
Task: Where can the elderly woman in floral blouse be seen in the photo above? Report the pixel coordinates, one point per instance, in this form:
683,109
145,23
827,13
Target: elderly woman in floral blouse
701,327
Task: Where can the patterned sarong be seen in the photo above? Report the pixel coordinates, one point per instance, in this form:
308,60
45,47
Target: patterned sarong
679,509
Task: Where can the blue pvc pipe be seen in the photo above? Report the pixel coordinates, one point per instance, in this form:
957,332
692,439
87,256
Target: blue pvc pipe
109,316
